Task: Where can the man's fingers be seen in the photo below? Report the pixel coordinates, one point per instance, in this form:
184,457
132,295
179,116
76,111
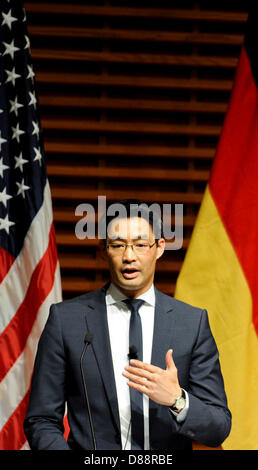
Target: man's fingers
140,388
139,372
140,379
169,359
145,366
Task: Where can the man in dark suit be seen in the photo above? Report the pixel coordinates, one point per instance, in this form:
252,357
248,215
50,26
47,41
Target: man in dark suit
171,391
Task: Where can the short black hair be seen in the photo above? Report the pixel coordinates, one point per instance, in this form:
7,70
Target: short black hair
135,208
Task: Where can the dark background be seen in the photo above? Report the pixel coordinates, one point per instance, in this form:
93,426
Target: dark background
132,97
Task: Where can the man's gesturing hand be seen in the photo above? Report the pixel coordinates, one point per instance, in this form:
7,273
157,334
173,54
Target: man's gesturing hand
158,384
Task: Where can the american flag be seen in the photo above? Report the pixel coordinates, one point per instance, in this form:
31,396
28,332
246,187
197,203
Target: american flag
29,268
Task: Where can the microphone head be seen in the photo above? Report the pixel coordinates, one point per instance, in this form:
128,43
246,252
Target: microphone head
88,338
133,352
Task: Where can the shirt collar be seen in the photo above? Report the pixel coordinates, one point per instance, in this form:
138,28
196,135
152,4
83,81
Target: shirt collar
114,295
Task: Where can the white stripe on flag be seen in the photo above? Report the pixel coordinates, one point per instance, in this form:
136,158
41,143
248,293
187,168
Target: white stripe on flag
25,446
15,284
16,383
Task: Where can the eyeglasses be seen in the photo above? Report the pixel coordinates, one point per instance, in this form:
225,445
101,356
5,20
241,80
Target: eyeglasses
140,248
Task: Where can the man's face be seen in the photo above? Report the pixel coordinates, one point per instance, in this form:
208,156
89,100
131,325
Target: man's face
132,272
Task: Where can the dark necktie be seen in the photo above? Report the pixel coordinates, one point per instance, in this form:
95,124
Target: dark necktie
136,398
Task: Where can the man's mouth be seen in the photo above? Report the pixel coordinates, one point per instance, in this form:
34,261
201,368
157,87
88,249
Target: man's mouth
130,273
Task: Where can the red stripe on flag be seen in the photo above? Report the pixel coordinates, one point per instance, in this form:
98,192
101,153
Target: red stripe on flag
234,176
66,427
6,261
14,337
12,436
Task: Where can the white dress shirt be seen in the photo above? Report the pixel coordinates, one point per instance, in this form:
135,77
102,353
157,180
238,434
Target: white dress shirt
118,316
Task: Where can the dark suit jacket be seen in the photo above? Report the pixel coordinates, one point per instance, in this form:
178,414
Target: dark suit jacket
57,378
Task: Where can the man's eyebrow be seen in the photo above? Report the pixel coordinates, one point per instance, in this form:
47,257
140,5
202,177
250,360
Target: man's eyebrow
139,237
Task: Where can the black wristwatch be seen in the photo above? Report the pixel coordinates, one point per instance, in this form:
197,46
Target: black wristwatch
179,403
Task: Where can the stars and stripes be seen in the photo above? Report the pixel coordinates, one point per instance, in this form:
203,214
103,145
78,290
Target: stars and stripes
29,268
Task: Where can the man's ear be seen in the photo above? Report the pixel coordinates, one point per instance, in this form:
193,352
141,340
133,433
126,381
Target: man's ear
160,247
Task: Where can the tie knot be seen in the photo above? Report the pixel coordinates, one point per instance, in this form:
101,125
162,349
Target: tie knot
134,304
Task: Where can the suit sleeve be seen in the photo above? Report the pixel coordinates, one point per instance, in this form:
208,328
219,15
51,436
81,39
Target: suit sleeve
43,425
208,419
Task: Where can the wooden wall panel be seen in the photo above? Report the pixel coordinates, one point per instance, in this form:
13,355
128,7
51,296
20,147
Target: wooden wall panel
132,98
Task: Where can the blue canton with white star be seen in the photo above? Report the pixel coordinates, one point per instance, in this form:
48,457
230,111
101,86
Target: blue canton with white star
22,161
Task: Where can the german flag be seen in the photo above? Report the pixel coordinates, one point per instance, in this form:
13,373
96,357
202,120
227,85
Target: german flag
220,270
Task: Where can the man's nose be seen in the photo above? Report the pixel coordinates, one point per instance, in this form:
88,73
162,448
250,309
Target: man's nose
129,254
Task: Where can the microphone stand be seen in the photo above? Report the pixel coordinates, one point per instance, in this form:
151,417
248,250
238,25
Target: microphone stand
88,339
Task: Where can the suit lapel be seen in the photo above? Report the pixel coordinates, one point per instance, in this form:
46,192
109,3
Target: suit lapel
163,333
96,320
163,328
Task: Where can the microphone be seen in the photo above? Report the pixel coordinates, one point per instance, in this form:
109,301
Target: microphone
133,352
87,340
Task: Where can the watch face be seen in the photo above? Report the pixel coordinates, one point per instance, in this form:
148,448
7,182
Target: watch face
180,403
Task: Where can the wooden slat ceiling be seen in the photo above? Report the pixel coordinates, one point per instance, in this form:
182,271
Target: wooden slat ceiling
132,101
